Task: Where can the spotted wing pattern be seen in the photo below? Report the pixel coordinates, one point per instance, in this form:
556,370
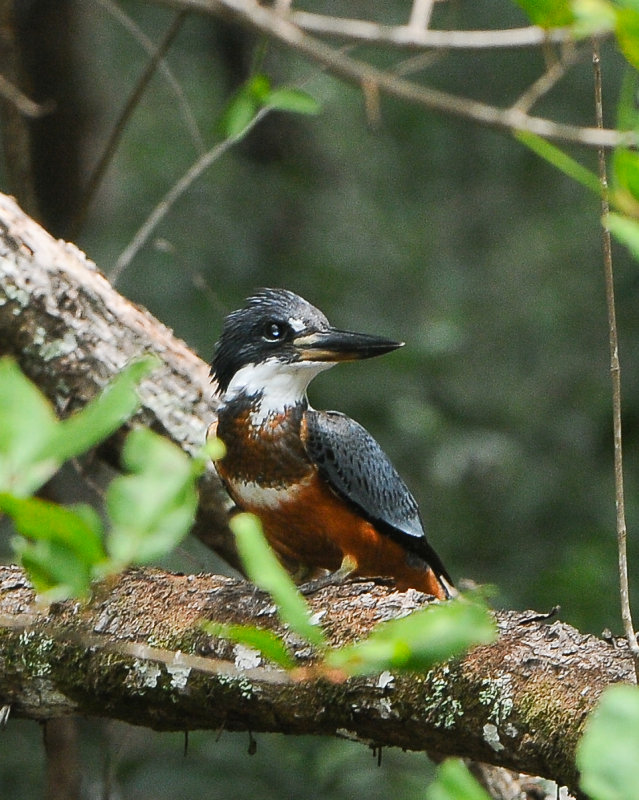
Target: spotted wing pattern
357,468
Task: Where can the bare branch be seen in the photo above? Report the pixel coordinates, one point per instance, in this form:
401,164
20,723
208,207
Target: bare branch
24,104
615,375
253,15
420,15
548,80
408,36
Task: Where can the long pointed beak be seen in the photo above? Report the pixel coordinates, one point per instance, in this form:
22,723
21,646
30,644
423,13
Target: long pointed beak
334,345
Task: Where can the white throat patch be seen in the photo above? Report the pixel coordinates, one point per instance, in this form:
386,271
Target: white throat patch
281,385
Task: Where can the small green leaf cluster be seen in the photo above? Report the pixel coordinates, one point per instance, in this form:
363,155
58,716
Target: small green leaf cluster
257,94
148,510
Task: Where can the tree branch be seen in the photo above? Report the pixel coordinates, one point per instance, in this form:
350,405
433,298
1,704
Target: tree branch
137,652
409,36
72,333
268,21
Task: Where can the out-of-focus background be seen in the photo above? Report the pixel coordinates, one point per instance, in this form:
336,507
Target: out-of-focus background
421,227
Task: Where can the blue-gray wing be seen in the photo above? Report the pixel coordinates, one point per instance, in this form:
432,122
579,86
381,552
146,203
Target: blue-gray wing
358,470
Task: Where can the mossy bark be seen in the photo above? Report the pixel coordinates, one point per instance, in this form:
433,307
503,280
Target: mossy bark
137,652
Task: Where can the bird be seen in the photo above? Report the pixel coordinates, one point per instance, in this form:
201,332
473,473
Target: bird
327,495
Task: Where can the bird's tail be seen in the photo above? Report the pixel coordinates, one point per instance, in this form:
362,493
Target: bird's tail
447,586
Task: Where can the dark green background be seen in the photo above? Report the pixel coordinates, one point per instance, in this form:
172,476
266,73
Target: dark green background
429,229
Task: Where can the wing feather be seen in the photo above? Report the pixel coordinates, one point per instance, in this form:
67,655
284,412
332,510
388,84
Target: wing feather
357,469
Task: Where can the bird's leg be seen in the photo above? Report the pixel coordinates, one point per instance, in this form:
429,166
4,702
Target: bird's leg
346,569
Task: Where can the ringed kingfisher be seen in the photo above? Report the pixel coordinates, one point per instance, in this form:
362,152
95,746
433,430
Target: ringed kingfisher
327,495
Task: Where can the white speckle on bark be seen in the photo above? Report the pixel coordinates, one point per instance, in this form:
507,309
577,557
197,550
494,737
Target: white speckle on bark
491,736
386,680
246,657
178,671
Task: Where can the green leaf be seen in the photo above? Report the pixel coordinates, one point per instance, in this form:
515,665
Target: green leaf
103,415
627,30
627,110
259,86
266,642
420,640
151,509
67,552
294,100
608,753
56,570
28,425
33,444
625,230
593,17
215,449
264,569
553,155
548,13
78,528
625,166
454,782
238,114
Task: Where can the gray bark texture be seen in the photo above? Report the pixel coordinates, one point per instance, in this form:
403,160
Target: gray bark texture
71,333
137,652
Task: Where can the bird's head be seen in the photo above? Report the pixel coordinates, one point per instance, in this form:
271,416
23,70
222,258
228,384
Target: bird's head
278,342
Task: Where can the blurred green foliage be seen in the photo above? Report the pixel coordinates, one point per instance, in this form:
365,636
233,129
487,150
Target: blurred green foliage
452,237
608,753
150,508
454,782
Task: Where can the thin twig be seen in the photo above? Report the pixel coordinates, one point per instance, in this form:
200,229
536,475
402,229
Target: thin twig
264,19
283,6
420,14
547,81
176,191
118,129
418,63
615,374
25,105
163,67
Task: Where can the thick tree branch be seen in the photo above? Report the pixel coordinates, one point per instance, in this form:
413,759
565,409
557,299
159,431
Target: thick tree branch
137,652
72,333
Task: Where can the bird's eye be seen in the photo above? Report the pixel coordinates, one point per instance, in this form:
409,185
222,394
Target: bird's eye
274,331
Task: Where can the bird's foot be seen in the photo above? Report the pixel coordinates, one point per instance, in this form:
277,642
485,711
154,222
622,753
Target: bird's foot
335,578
